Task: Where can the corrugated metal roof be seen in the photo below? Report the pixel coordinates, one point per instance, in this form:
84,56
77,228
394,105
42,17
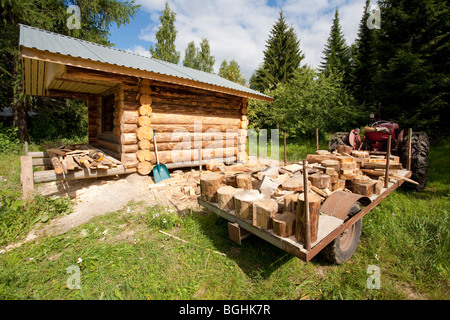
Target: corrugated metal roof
56,43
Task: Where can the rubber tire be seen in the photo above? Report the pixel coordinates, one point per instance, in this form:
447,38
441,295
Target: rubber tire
334,252
339,138
420,146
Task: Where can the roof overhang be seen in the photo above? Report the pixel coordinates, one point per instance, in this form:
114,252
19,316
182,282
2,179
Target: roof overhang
45,74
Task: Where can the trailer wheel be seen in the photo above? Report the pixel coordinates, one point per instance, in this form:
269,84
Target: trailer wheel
344,246
339,138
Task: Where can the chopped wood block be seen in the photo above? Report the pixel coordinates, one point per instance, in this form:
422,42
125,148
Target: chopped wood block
284,224
344,149
314,202
290,202
348,166
211,164
348,176
268,186
282,178
209,184
360,154
293,167
244,181
330,164
331,170
294,184
323,152
345,159
340,185
365,189
263,212
225,196
334,177
320,180
243,203
378,186
271,172
362,179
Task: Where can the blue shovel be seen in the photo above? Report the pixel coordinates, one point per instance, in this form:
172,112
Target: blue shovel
160,171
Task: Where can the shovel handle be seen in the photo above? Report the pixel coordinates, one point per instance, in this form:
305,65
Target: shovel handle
156,148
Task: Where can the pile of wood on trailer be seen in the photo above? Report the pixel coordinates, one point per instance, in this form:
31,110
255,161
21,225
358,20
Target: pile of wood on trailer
273,197
77,157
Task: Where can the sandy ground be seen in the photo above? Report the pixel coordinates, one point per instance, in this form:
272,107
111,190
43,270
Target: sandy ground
95,197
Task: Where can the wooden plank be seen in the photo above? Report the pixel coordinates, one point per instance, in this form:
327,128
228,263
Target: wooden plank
50,175
41,78
26,176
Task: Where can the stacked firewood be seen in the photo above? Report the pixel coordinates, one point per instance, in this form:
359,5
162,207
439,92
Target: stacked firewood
270,196
77,157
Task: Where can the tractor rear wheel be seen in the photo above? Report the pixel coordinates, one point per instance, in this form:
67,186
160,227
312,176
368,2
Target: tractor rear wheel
344,246
339,138
420,145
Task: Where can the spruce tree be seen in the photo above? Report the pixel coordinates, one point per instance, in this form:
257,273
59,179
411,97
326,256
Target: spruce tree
364,61
336,53
166,35
282,57
412,82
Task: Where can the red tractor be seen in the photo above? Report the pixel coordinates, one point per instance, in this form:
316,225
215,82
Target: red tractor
375,139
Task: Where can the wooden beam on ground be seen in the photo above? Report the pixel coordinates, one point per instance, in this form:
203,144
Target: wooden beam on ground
50,175
26,176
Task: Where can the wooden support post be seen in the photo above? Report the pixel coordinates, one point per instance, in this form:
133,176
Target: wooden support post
388,159
409,148
317,138
26,176
306,204
26,148
236,233
284,145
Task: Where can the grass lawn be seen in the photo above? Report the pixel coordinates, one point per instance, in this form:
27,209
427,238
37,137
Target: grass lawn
123,255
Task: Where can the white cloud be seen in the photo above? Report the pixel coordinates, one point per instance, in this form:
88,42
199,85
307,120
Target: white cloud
140,50
238,29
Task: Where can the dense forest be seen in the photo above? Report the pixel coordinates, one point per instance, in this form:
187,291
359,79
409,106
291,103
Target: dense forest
397,70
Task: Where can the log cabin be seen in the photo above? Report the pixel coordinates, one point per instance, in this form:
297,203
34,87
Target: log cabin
195,115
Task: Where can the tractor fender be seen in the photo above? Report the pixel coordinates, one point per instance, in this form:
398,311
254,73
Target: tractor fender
340,202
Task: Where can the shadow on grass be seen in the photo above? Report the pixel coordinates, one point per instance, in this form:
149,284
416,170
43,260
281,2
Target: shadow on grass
256,257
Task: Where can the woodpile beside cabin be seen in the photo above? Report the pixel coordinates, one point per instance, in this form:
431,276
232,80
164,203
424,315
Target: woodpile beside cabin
128,96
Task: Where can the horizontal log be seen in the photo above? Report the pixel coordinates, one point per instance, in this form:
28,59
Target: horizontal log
175,156
50,175
169,118
192,127
128,138
167,146
38,154
190,110
190,136
108,137
117,147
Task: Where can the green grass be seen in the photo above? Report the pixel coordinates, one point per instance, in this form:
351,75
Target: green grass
124,256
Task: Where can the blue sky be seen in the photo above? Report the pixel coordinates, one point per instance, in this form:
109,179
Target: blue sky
238,29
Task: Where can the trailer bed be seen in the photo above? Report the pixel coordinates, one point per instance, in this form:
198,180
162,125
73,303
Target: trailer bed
329,227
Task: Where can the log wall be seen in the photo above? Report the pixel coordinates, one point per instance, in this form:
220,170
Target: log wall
184,118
